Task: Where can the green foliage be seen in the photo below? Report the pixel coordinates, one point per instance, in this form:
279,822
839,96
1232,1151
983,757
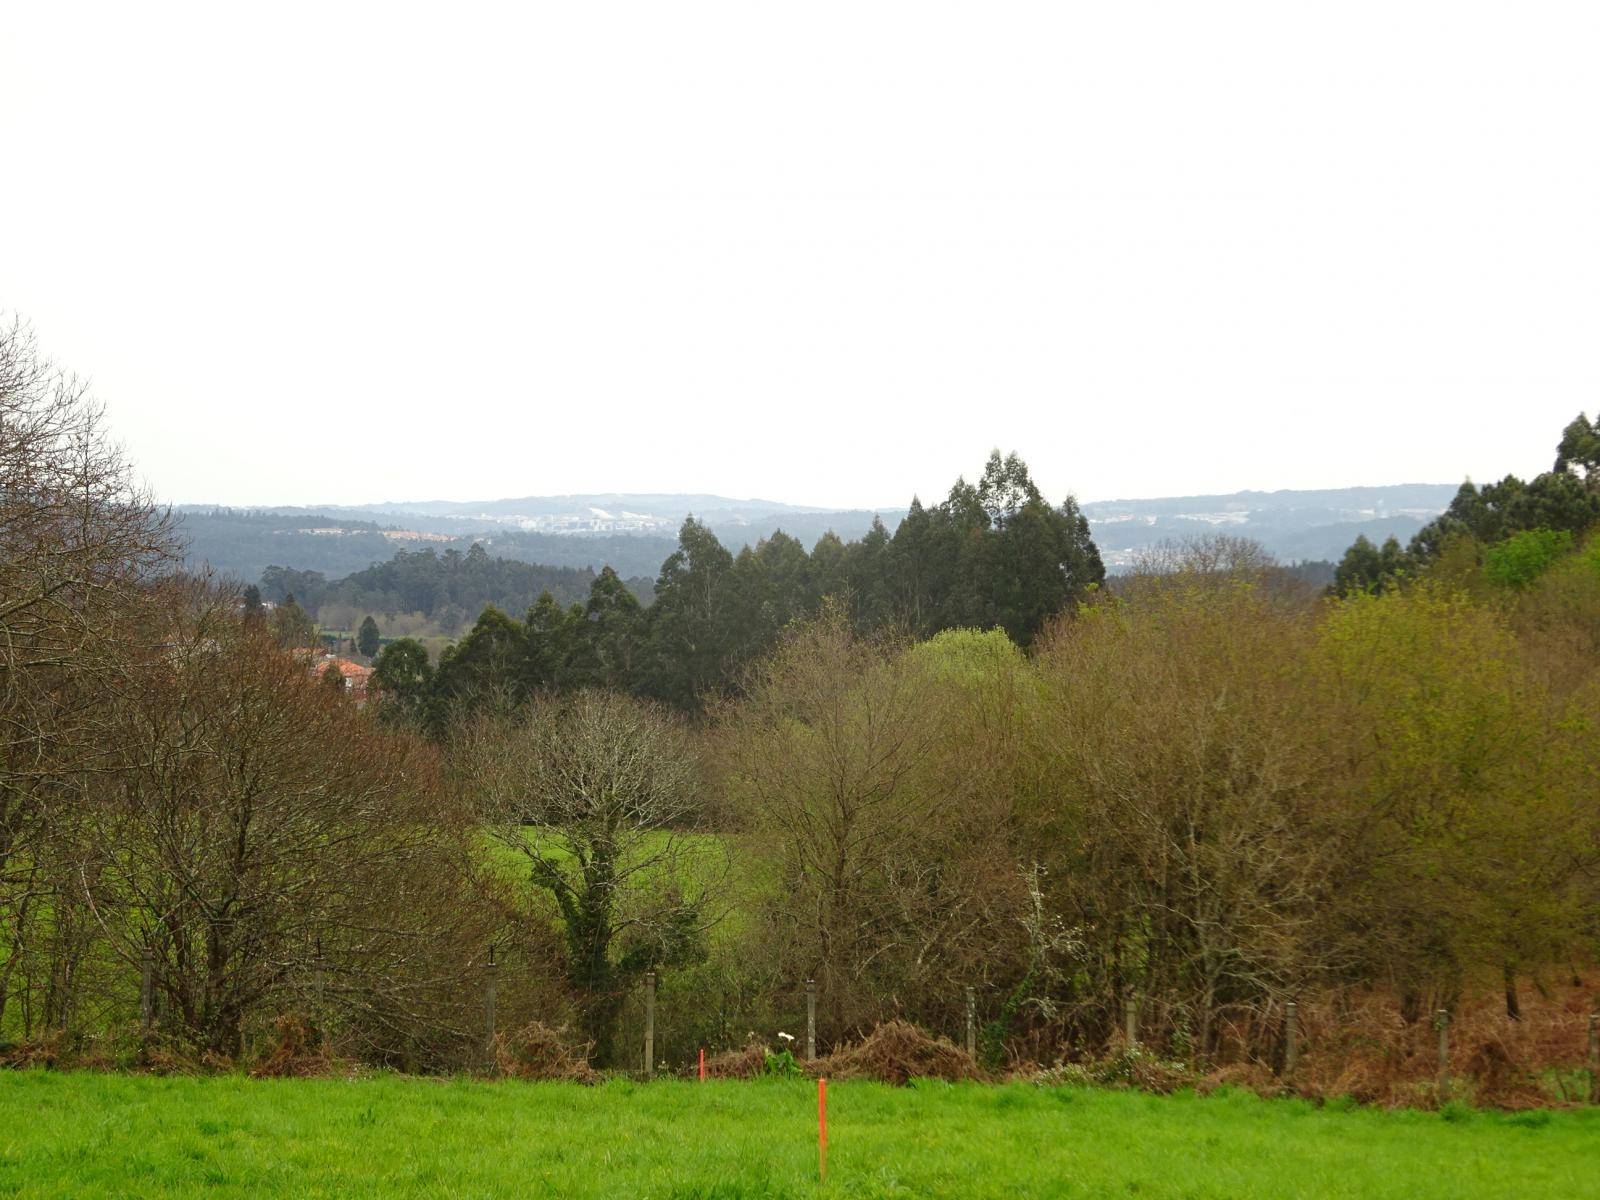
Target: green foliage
601,646
995,556
368,638
1579,449
486,669
402,683
968,656
1523,557
1365,568
1531,516
1466,783
292,626
1554,500
992,555
781,1064
690,635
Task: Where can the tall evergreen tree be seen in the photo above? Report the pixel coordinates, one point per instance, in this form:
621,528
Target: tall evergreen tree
689,635
368,639
920,567
872,604
604,640
292,626
829,572
488,667
549,645
1579,450
1366,568
993,554
401,678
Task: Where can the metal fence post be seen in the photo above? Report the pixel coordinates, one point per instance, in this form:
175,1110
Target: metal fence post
811,1020
649,1023
1291,1037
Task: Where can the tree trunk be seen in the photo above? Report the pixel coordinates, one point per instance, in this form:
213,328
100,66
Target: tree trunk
1410,1005
597,1019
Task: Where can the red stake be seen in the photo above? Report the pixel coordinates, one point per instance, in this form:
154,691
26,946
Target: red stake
822,1130
702,1064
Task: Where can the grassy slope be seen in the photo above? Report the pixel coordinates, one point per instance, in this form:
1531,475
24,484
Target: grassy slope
81,1134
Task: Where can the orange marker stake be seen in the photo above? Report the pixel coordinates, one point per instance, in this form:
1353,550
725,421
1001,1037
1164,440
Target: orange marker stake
822,1130
702,1064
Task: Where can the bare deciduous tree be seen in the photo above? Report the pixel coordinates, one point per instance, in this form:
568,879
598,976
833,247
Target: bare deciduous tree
260,832
78,542
595,794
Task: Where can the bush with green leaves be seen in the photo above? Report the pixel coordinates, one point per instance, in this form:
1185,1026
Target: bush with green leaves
1522,558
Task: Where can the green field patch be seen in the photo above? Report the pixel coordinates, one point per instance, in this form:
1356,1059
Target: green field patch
84,1134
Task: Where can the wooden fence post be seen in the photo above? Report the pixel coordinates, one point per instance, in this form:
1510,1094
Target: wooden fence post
318,976
491,985
1594,1057
649,1023
1130,1020
811,1020
1291,1038
1441,1022
147,995
972,1022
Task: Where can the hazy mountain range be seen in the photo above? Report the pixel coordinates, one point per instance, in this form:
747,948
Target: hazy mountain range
633,532
1297,526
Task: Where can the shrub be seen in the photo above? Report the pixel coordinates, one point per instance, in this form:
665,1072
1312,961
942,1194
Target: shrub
1520,559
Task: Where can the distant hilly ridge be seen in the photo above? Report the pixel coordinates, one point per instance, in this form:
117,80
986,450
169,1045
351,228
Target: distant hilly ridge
634,532
1297,526
704,506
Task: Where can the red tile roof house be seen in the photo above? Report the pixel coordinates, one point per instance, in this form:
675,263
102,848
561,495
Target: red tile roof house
357,678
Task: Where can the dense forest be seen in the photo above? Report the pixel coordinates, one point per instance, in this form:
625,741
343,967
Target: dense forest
897,768
450,588
245,544
241,543
992,554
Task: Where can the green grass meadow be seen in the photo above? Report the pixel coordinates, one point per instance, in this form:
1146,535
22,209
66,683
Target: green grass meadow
78,1134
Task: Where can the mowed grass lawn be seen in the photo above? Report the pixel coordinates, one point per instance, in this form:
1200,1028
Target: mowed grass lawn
64,1134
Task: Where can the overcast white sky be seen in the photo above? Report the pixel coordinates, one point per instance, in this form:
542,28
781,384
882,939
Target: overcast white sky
821,253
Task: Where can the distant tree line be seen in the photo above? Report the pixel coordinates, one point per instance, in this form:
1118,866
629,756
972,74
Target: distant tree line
450,587
992,554
241,543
